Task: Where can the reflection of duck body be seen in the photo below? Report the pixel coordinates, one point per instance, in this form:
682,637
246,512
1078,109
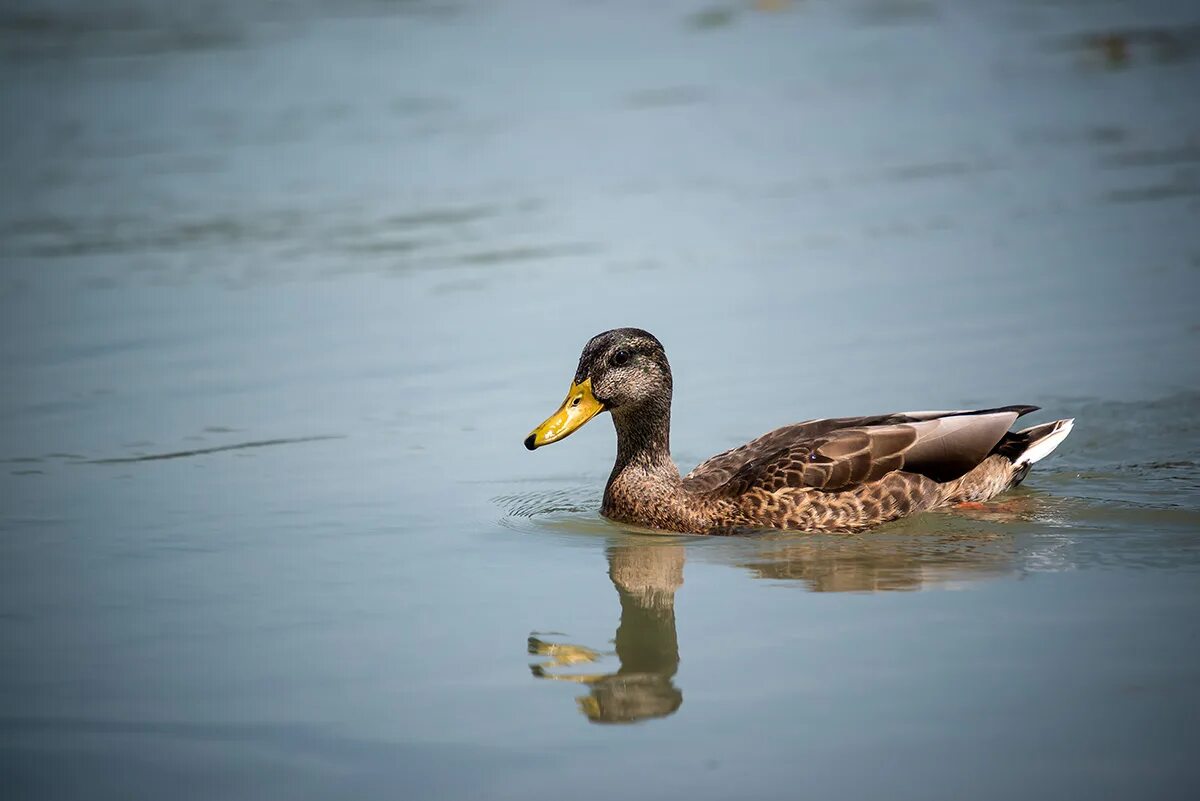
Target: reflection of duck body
946,553
841,474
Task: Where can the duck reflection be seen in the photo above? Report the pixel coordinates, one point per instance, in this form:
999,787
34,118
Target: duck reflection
646,576
938,550
863,565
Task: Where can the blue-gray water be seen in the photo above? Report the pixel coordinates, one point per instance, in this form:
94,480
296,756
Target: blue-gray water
337,259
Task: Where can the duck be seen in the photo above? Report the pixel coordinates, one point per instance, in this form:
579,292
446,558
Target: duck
842,474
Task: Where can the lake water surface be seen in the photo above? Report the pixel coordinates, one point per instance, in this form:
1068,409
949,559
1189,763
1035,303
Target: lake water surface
284,286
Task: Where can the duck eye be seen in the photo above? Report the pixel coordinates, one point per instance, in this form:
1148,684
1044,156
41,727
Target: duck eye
620,357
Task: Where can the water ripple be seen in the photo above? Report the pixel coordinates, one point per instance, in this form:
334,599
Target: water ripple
262,443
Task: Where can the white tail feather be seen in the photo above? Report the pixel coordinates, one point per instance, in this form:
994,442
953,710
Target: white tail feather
1046,445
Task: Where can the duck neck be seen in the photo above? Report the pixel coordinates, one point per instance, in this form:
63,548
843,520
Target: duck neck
644,443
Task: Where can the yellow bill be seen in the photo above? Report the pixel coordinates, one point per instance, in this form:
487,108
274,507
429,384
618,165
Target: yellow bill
579,407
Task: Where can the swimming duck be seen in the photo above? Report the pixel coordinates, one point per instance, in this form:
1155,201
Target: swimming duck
838,474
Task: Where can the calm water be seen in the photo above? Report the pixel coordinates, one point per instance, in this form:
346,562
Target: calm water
285,285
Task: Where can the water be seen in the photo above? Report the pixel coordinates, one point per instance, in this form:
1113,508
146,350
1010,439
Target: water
285,286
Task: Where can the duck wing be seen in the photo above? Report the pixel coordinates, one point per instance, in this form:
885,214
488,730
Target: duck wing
841,453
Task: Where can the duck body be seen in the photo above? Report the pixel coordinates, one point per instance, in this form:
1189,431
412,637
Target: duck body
838,474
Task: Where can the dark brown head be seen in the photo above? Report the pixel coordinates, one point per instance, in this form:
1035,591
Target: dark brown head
625,368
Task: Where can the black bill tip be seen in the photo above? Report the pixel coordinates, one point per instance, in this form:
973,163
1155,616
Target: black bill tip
529,443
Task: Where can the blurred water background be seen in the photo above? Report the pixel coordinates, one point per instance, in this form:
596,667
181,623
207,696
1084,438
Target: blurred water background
283,286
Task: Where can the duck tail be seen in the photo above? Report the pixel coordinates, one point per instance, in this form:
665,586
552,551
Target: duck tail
1040,441
1031,445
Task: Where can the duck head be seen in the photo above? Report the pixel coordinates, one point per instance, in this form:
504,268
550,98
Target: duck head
623,371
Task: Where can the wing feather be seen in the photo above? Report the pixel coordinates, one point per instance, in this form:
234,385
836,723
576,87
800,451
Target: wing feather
721,468
839,459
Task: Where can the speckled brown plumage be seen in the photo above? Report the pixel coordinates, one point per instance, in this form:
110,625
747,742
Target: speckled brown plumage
838,474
